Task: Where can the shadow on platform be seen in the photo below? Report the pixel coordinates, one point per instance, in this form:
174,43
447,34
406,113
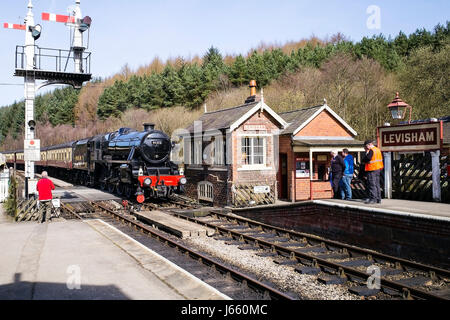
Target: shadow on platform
24,290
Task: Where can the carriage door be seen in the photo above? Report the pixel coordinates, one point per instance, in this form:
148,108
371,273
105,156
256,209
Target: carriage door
90,155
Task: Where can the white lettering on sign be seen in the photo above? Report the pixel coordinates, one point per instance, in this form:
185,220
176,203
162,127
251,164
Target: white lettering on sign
254,127
413,137
409,137
261,189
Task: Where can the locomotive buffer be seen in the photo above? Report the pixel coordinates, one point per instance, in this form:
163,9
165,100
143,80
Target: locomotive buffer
36,63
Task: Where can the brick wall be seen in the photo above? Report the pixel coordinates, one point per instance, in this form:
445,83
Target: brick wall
219,179
324,125
409,237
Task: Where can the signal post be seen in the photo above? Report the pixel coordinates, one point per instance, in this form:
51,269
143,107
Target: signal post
30,66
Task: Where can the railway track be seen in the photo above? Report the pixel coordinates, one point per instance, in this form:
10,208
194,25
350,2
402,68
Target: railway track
333,262
263,289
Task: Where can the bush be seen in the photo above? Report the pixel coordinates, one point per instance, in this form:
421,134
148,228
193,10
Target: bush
11,203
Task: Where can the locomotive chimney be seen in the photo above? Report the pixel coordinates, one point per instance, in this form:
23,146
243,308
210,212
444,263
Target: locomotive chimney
149,127
252,97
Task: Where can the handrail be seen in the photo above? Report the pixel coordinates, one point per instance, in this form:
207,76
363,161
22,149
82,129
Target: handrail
48,54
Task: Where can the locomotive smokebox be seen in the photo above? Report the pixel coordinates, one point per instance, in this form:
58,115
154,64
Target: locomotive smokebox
149,127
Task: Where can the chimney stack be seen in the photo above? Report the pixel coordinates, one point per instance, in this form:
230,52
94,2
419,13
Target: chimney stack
252,97
149,127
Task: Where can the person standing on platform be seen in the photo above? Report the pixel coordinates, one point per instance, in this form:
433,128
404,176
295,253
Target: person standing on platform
337,171
346,189
45,187
373,161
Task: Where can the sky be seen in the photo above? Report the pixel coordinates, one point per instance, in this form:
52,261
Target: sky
134,32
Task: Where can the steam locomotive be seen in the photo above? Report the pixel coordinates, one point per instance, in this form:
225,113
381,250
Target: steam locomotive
127,162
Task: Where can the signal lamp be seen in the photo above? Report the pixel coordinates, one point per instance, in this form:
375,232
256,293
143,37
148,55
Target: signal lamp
32,124
85,24
36,31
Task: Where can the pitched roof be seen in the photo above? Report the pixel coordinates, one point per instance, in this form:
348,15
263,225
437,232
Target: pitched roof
297,117
222,119
300,118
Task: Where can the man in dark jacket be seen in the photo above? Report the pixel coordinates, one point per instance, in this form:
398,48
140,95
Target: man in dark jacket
337,171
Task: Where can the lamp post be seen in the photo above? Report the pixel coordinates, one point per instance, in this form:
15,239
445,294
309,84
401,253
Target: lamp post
398,108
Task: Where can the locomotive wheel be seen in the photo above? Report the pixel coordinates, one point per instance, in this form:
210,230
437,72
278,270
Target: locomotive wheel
102,185
128,191
120,189
111,188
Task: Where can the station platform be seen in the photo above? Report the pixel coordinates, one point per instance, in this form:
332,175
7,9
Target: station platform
87,261
173,225
68,192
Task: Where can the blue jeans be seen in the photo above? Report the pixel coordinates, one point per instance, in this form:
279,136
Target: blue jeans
346,189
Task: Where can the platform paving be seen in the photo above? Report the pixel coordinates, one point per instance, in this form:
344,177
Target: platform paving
176,226
432,210
80,260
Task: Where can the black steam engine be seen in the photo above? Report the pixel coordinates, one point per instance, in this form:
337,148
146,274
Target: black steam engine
127,162
130,162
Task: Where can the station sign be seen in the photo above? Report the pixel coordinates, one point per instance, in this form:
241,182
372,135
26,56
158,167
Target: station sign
261,189
412,137
255,127
32,150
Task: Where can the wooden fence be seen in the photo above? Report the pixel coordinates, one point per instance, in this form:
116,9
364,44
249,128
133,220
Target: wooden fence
359,187
244,194
412,178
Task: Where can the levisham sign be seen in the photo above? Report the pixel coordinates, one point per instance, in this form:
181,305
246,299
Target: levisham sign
413,137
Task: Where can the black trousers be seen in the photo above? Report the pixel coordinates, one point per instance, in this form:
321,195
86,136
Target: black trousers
373,180
336,180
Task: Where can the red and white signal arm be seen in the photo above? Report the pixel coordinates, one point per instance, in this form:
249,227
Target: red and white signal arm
32,150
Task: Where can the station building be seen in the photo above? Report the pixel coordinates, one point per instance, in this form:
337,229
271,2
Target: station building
251,155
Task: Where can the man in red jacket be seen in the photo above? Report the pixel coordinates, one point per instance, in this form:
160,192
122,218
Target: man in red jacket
45,187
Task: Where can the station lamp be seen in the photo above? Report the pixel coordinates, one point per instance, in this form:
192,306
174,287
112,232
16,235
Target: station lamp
398,108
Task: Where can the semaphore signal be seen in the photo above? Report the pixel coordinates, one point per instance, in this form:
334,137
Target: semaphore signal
14,26
57,18
35,63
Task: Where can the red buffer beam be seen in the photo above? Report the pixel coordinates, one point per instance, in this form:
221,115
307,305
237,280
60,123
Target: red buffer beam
14,26
57,18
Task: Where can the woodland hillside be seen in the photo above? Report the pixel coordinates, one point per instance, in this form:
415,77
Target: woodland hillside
357,79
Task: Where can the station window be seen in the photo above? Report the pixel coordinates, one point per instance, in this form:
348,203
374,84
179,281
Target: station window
253,150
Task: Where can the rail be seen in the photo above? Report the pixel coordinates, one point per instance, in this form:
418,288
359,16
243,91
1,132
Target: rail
344,271
238,276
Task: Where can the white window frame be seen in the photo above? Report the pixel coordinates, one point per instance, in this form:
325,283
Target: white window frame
253,166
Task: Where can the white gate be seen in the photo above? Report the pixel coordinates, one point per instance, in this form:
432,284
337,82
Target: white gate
205,191
4,186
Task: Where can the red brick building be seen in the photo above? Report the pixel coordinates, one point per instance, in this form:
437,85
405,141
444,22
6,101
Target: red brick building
249,154
306,143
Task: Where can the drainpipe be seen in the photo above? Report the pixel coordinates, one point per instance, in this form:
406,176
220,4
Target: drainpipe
311,169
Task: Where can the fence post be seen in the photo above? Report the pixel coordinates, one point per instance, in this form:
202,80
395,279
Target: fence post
387,175
436,174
